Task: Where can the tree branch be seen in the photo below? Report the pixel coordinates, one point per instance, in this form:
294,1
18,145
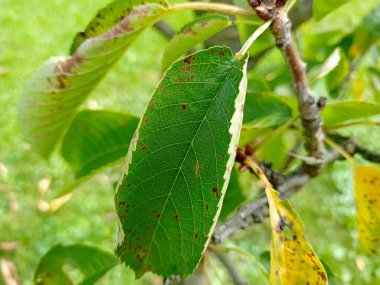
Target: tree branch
307,105
257,210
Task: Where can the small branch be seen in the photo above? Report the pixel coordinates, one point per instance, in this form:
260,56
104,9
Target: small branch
171,280
256,211
165,29
212,7
307,105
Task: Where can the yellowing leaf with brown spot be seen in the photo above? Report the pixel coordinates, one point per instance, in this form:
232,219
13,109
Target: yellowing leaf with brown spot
293,261
367,196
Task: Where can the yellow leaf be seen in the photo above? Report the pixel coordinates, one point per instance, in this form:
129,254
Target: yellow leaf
367,196
293,261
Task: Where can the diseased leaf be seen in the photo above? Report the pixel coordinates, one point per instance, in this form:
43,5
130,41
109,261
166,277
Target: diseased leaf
293,261
234,196
367,196
92,263
263,111
179,163
107,18
97,138
58,88
339,112
192,34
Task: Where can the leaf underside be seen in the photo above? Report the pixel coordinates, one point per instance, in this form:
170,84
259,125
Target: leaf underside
367,196
92,262
179,163
53,95
192,34
339,112
97,138
293,261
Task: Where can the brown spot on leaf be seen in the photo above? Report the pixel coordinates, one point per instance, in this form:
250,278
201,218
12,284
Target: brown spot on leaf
176,217
181,79
62,81
215,191
192,77
196,235
206,207
187,60
146,121
183,106
212,52
143,146
196,168
222,53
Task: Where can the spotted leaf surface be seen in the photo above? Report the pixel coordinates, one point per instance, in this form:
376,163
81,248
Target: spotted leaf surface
293,261
367,196
192,34
53,95
179,163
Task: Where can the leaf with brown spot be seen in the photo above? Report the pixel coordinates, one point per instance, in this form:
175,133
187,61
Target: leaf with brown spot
53,95
367,196
173,166
293,260
192,34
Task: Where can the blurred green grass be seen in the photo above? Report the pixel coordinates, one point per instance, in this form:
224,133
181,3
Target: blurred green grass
32,31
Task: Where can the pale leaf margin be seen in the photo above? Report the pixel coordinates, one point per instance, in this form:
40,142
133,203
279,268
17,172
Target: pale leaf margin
235,129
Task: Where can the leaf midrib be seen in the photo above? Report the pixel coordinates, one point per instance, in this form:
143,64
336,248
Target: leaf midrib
180,168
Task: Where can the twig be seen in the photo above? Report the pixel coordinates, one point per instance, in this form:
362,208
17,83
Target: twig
165,29
308,108
257,210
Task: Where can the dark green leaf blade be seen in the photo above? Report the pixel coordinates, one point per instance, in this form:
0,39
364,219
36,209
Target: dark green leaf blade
234,196
263,111
53,95
97,138
339,112
179,163
92,262
196,32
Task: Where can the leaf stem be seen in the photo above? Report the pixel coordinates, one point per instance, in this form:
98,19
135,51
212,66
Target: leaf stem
275,133
339,149
350,124
252,38
259,172
214,7
220,248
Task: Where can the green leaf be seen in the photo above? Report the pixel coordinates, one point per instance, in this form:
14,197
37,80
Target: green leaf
179,163
192,34
320,38
92,263
339,112
97,138
263,111
107,18
321,8
234,196
62,84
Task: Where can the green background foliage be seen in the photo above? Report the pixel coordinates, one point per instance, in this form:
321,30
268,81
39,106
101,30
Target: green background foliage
33,31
